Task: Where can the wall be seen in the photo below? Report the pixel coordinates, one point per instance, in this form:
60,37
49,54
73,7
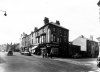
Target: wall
80,42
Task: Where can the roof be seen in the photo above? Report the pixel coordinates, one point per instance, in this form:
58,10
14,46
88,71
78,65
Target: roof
98,39
84,38
52,24
58,25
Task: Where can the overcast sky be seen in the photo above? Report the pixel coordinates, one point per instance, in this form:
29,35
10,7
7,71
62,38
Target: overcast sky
81,17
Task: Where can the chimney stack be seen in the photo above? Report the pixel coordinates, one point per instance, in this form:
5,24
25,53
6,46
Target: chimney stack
91,37
35,29
57,22
46,20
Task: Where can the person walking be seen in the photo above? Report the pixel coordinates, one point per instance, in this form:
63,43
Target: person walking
51,53
43,53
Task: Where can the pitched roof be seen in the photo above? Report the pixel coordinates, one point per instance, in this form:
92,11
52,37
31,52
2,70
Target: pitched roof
58,25
84,38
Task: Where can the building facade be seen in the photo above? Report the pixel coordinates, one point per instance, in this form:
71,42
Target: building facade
89,48
53,36
99,44
25,41
49,36
73,50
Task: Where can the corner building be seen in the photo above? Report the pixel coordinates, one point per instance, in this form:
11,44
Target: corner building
52,35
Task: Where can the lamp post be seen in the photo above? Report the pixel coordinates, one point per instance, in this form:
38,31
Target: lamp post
99,20
99,8
5,14
98,3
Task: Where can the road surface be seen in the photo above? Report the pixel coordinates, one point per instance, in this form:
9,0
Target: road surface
21,63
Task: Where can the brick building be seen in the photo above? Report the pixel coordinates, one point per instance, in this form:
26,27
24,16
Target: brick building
49,36
89,48
73,50
25,41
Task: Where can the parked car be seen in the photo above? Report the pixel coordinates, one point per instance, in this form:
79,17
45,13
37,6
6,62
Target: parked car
22,53
3,50
10,53
98,61
76,56
27,53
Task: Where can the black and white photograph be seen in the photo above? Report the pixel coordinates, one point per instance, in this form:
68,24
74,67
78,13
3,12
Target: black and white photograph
49,35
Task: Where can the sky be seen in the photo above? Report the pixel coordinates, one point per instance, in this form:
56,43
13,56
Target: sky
81,17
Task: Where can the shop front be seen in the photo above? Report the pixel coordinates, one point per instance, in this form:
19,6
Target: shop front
50,49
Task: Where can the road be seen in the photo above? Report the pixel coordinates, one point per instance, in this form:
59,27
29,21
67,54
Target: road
21,63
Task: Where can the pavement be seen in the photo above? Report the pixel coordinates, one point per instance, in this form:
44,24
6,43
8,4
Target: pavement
86,62
89,62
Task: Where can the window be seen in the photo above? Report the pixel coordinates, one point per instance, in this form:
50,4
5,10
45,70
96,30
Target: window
42,30
60,31
54,38
32,41
42,39
32,34
65,33
48,34
38,40
54,29
65,40
58,39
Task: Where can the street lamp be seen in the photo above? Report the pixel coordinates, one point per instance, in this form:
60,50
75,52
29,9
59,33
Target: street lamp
99,8
99,20
98,3
5,14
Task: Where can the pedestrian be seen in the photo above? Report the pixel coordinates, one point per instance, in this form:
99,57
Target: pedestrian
51,53
43,53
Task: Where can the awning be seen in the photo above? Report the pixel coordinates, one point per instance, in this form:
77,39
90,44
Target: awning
34,47
43,48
